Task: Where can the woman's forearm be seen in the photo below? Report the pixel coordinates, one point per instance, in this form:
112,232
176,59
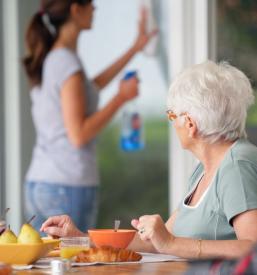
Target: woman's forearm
92,125
138,245
190,248
109,73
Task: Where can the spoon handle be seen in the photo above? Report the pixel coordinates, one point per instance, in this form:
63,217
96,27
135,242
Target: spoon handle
116,225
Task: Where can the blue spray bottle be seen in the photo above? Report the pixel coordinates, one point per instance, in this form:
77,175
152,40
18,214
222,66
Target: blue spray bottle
131,129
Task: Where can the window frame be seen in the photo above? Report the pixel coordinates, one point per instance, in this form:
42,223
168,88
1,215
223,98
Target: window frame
192,40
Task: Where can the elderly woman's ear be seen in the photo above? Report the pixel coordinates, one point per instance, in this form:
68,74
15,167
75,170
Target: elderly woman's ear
191,126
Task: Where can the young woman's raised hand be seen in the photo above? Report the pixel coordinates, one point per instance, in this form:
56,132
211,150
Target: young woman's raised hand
143,36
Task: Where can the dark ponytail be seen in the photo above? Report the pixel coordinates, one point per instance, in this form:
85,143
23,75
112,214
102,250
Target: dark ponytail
39,41
42,32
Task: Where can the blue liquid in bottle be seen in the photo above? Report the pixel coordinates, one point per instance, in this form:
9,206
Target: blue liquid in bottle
131,131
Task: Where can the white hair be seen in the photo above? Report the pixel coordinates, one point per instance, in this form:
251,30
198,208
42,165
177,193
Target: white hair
216,96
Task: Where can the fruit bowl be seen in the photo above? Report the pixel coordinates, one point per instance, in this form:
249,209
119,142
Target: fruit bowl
23,254
108,237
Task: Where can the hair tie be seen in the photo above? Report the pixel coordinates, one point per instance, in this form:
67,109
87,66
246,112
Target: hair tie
46,20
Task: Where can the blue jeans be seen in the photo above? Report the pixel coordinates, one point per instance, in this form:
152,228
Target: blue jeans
45,199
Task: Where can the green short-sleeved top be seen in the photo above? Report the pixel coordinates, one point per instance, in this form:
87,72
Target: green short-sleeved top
232,191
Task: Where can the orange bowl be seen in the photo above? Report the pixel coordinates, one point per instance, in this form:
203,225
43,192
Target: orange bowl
108,237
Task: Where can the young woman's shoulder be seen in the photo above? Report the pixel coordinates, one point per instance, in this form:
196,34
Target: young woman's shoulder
59,65
62,57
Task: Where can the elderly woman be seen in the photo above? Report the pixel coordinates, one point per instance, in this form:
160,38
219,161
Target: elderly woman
218,216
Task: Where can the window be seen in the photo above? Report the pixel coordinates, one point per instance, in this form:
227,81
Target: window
135,183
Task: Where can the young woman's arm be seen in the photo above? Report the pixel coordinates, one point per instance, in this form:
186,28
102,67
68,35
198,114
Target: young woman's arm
109,73
142,39
81,128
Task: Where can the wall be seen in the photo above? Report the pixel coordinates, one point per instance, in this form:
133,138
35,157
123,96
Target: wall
18,130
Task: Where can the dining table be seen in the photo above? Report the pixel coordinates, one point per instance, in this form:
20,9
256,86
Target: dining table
158,268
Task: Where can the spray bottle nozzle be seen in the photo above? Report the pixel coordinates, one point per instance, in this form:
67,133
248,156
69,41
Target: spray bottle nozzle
129,75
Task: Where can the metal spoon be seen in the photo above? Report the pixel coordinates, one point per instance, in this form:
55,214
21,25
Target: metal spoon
116,225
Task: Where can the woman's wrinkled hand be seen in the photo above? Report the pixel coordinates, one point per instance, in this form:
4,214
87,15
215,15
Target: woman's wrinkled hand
143,36
152,228
60,226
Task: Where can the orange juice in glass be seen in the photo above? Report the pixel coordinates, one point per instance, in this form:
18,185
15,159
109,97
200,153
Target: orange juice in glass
71,246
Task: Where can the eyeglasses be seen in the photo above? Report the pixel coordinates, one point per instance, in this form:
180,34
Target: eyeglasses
172,116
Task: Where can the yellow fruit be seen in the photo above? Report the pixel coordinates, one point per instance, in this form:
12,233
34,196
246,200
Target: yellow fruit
29,235
8,237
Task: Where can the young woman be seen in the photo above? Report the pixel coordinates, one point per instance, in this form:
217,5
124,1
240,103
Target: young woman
63,175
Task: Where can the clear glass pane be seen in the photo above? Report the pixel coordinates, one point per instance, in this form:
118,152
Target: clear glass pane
132,183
